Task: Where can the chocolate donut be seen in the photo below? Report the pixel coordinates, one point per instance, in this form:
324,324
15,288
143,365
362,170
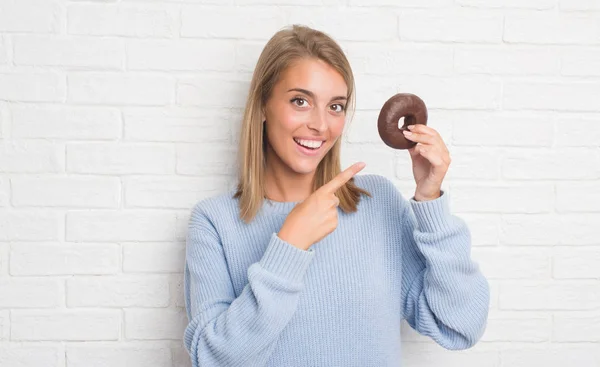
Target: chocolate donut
406,105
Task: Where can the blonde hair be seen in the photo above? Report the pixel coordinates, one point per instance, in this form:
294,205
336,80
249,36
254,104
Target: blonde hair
285,47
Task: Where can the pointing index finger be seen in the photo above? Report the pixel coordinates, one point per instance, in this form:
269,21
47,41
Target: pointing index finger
343,177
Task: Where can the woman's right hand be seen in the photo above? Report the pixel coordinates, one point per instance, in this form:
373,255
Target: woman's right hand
317,216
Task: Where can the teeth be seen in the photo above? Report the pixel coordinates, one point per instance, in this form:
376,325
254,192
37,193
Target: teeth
309,143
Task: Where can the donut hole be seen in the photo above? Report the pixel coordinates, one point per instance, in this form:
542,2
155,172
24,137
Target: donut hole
404,121
401,122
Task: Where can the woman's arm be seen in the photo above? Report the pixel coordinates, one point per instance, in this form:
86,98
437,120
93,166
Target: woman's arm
444,294
229,331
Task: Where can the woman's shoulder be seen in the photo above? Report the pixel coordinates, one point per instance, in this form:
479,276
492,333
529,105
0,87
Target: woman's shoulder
214,207
376,184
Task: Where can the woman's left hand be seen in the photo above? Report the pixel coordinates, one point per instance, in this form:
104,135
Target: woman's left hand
430,161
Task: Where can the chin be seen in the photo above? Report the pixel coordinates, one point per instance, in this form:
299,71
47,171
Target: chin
304,168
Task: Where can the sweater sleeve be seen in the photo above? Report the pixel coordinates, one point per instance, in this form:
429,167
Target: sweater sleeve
444,294
225,330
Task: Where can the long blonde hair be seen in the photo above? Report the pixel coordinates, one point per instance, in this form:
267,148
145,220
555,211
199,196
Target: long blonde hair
286,46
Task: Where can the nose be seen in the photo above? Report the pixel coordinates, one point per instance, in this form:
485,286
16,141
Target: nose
318,122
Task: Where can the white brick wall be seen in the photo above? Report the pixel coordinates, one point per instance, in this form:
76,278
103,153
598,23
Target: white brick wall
116,117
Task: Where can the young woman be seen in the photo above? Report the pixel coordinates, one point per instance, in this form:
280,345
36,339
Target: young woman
305,265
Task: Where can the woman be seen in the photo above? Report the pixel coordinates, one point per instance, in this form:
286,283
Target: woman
304,265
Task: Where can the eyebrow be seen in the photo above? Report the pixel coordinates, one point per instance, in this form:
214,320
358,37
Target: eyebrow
312,95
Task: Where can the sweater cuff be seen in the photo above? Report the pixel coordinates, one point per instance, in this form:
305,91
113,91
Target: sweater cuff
432,215
286,260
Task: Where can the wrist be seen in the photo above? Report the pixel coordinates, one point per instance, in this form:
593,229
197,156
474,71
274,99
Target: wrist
419,197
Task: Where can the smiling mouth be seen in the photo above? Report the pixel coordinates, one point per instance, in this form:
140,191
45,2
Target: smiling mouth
309,144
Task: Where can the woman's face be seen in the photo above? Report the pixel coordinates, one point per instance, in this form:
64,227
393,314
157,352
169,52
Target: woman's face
305,115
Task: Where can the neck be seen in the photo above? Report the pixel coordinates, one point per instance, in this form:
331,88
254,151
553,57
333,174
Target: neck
282,183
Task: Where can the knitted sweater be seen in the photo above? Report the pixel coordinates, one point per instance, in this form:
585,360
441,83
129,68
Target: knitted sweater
253,299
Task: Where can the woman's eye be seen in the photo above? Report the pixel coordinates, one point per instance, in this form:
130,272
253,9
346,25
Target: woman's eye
300,102
340,108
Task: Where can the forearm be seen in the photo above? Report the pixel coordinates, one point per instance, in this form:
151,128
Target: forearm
242,331
447,296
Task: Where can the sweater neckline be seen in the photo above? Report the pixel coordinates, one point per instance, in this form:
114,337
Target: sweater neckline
280,207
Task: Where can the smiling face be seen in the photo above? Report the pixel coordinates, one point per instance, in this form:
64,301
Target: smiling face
305,115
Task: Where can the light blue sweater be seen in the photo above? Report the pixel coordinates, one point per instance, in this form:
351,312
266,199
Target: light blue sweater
255,300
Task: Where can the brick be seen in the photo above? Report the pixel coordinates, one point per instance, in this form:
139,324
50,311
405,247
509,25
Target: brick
578,131
431,354
13,354
117,291
577,197
77,52
551,28
4,328
180,355
4,191
231,22
392,59
578,5
129,20
507,61
555,164
115,226
29,156
403,4
362,128
118,354
484,228
493,198
120,158
177,290
550,295
4,47
25,225
32,87
29,16
147,324
205,159
30,293
182,55
120,89
509,4
170,192
511,263
180,124
378,159
377,24
65,122
561,96
576,327
153,257
212,91
77,192
545,229
4,253
65,325
580,62
454,93
473,163
551,355
527,327
450,26
275,2
576,263
64,259
502,129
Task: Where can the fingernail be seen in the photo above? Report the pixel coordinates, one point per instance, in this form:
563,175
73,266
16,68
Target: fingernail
406,132
411,126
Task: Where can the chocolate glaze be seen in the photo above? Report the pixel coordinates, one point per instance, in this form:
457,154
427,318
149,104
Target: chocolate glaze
406,105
